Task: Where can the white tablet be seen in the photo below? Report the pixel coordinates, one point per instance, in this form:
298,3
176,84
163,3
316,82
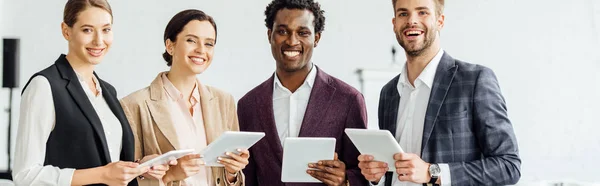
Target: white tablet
229,141
166,157
299,152
378,143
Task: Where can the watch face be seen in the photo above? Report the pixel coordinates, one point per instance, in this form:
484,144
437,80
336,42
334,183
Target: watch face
434,170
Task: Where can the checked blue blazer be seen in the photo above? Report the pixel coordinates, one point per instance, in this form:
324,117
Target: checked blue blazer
466,125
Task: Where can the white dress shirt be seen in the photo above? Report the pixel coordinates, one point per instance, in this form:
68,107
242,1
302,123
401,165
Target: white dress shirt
289,108
414,101
36,122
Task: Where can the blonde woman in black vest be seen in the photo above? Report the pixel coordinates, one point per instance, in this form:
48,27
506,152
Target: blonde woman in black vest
72,129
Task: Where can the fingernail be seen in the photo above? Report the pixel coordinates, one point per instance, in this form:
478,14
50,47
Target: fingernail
227,153
239,150
219,158
309,171
311,165
320,163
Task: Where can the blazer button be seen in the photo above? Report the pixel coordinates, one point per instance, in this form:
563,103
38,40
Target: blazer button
218,181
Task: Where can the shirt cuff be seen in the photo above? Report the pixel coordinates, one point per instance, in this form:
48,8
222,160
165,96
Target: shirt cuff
237,176
381,182
65,177
445,175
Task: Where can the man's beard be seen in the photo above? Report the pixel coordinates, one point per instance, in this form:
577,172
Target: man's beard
417,51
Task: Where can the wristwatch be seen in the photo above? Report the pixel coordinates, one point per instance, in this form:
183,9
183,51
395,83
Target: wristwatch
434,171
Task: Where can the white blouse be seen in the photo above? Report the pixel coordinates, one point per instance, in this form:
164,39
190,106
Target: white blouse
36,122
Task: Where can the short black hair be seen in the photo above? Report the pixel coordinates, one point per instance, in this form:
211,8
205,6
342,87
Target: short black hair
310,5
175,26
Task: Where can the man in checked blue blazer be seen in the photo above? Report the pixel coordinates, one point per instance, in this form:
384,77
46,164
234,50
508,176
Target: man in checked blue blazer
448,116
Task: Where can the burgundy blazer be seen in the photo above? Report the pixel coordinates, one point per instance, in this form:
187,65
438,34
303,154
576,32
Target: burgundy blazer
333,106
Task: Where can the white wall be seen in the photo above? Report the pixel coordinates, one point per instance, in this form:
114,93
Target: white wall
3,103
544,52
546,56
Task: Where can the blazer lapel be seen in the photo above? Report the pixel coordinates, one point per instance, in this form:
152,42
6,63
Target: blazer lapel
390,109
320,96
114,105
441,83
266,117
80,97
159,110
212,122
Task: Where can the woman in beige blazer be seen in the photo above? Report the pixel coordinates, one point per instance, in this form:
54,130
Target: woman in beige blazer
177,112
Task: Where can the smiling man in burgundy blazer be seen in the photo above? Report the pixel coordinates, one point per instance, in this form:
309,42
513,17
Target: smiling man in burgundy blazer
300,100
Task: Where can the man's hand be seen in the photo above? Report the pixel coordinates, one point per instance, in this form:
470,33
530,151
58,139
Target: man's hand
330,172
412,168
372,170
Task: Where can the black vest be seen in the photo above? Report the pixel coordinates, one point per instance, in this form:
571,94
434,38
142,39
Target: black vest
77,140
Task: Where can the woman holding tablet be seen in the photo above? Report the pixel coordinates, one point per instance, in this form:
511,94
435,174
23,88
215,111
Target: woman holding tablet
178,112
72,130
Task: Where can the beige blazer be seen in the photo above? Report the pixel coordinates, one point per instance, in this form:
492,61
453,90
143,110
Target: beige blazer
147,109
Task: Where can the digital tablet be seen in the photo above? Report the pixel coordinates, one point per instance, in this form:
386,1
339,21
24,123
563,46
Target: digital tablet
229,141
378,143
299,152
166,157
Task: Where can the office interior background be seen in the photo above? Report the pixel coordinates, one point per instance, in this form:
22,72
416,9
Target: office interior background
545,53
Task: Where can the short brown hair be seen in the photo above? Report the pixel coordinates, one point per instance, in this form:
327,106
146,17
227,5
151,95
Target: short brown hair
175,26
74,7
439,6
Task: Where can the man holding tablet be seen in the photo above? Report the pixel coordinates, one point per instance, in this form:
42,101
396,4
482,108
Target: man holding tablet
300,100
448,116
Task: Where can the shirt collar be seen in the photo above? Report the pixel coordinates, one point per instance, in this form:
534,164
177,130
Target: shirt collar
176,94
309,81
427,75
94,79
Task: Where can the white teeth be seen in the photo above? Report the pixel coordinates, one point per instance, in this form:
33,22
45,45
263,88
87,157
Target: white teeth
413,32
291,53
197,60
95,51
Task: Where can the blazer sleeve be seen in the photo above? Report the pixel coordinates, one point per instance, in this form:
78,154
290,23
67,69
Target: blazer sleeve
251,169
356,118
234,125
133,116
232,118
132,112
493,130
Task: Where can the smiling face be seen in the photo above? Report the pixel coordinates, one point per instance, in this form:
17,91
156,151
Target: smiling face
293,39
91,35
194,47
416,25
